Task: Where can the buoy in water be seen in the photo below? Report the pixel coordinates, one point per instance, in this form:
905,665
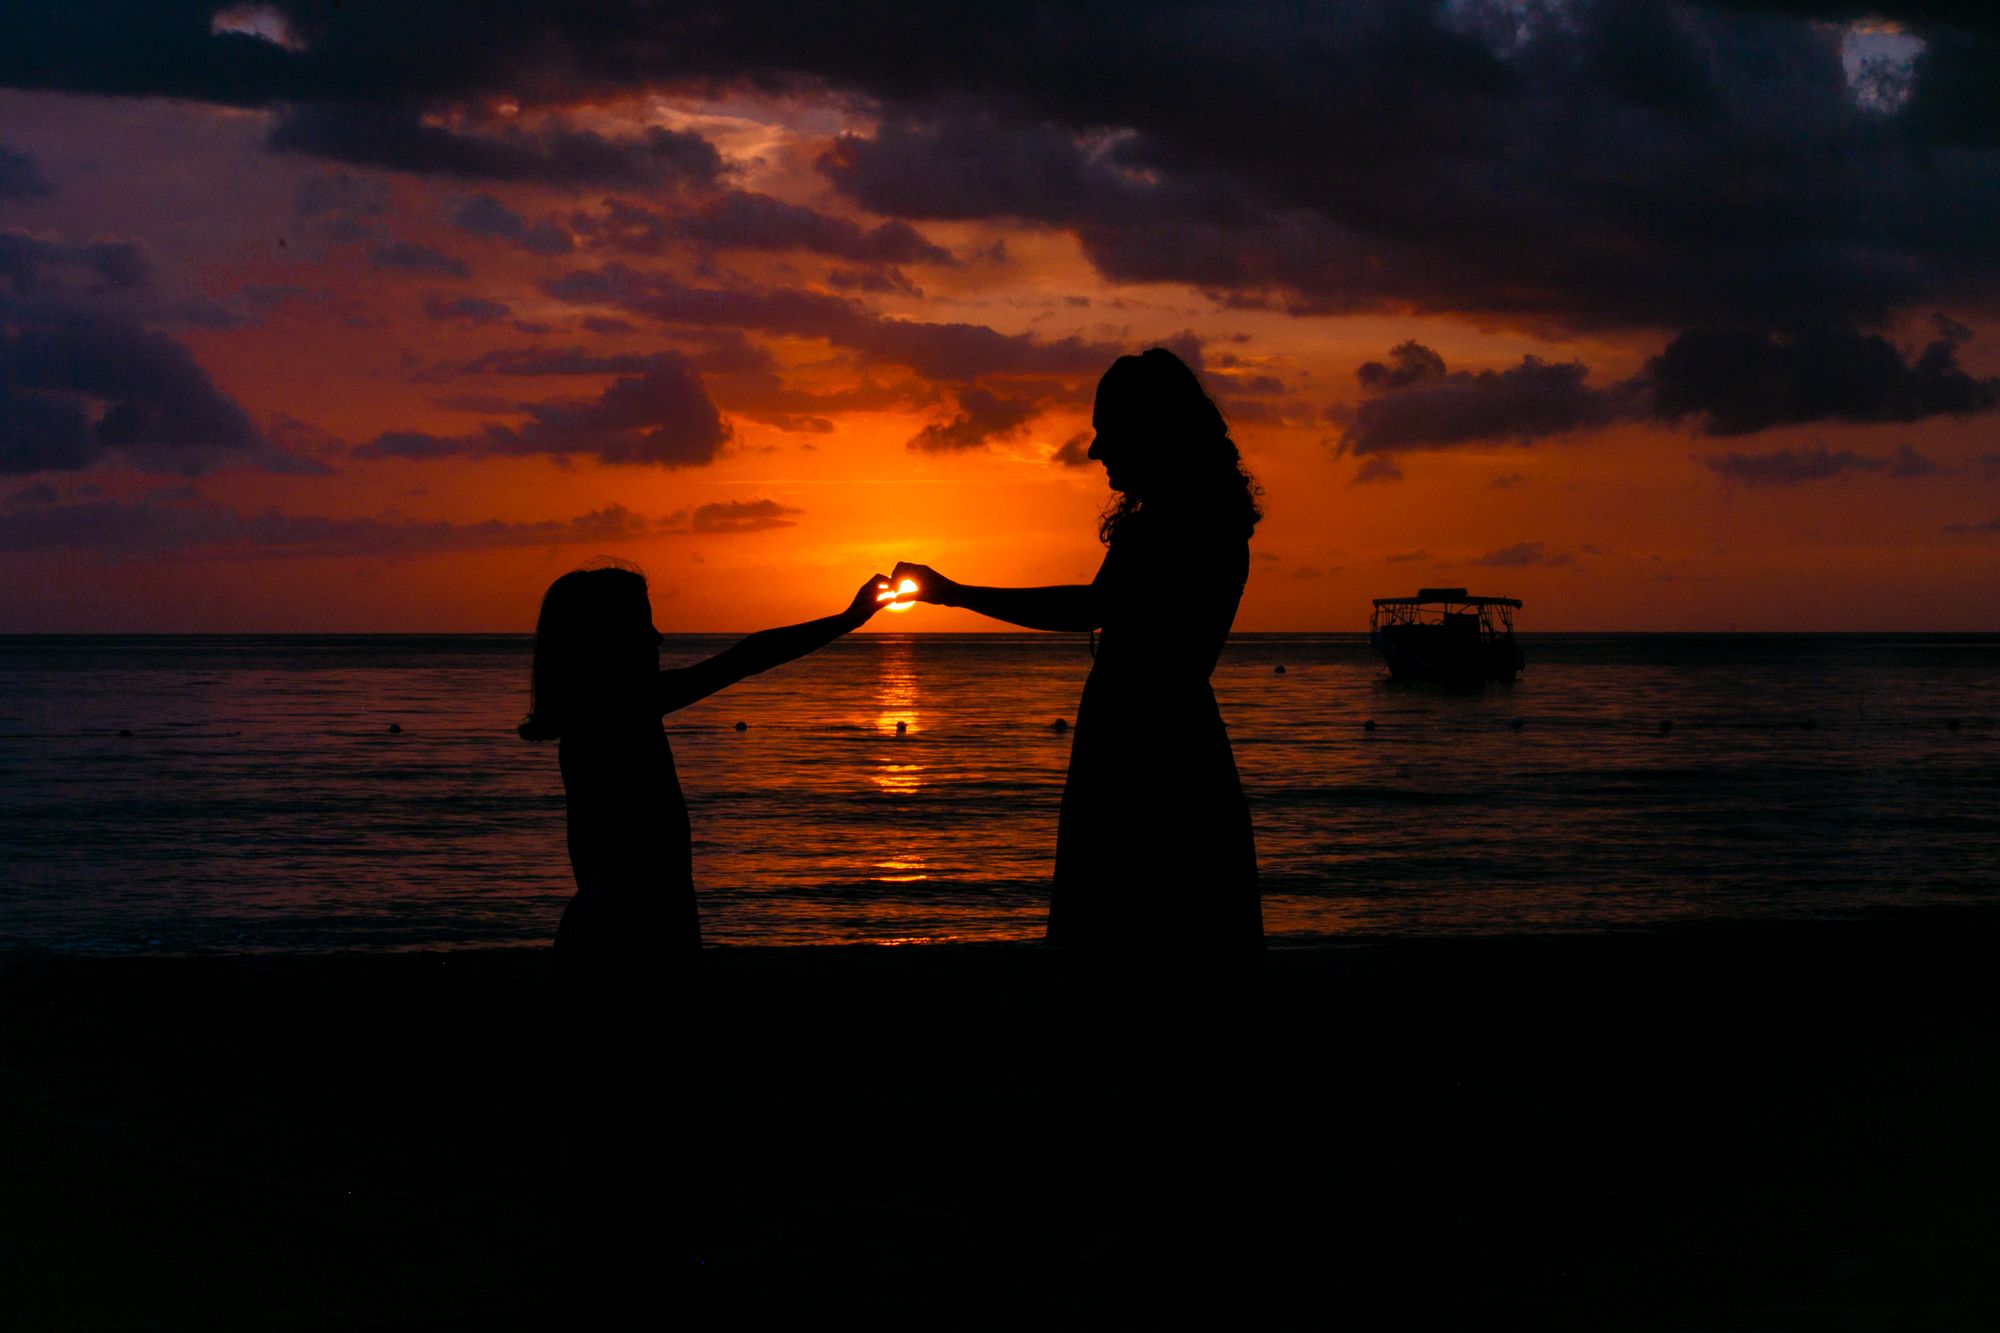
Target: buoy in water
1060,724
395,728
1278,670
743,726
124,731
1369,725
1951,724
1517,724
1666,725
902,728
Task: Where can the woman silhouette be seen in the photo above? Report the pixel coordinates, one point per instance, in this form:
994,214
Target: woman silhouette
1156,867
628,1079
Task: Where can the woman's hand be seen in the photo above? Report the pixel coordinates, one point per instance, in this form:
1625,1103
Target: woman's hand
869,600
932,586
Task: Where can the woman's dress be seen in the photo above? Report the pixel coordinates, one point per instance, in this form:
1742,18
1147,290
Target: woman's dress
1154,850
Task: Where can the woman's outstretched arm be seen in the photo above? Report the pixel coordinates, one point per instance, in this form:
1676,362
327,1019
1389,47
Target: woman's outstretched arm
765,649
1064,606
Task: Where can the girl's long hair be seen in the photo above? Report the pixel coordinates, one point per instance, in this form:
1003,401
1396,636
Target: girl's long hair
1197,468
582,615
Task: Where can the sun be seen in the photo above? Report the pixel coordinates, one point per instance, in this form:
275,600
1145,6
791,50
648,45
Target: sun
901,590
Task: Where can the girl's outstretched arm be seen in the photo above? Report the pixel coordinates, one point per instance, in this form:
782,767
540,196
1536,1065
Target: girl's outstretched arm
765,649
1063,606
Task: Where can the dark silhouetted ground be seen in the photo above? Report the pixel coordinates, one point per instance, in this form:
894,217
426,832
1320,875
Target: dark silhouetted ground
1747,1128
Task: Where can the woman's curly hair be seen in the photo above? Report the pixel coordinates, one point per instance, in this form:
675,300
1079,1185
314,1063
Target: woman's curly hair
1157,399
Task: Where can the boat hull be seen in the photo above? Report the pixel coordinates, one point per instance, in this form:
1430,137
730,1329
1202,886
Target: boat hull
1431,652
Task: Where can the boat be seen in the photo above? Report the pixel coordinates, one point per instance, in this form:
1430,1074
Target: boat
1443,634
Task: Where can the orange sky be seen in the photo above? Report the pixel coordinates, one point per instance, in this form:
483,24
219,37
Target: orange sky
332,323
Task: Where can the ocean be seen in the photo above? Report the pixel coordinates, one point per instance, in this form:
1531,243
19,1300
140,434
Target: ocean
187,794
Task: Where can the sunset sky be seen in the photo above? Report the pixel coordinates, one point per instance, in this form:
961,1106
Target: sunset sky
359,316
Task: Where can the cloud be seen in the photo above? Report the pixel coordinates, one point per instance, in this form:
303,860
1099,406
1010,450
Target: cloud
662,417
1524,555
1720,383
1739,383
31,264
414,258
401,139
484,215
177,524
731,516
1990,525
744,220
567,361
1409,363
1377,467
78,387
1406,557
1073,452
466,309
950,352
1436,409
1552,162
21,176
1787,467
982,417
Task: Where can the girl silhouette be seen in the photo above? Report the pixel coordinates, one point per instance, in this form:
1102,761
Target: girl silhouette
1156,867
629,1071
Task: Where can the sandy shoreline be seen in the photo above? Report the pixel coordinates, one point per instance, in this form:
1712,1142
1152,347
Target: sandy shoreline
1750,1127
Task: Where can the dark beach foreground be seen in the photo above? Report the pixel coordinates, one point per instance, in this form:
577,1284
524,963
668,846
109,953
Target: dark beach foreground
1716,1128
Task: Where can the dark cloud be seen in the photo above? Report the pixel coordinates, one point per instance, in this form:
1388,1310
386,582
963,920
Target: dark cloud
77,387
1073,452
1990,525
172,524
1509,482
30,264
416,258
1788,467
742,516
484,215
1620,163
982,417
567,361
340,192
400,139
877,281
1377,467
1438,410
663,417
1721,383
465,309
1524,555
1739,383
21,176
743,220
955,353
1406,557
739,374
1409,363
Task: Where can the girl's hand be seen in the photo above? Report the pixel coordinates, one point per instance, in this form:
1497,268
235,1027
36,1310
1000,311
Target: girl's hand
932,586
867,601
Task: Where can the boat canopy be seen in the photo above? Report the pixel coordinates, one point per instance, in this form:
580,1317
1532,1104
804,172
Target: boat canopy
1448,597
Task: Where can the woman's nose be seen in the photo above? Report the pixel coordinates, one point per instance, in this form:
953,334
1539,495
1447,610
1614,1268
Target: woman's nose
1096,450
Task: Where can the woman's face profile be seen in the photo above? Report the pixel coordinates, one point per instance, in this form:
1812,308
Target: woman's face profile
1115,446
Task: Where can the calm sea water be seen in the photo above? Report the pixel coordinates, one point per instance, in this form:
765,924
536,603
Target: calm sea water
260,800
